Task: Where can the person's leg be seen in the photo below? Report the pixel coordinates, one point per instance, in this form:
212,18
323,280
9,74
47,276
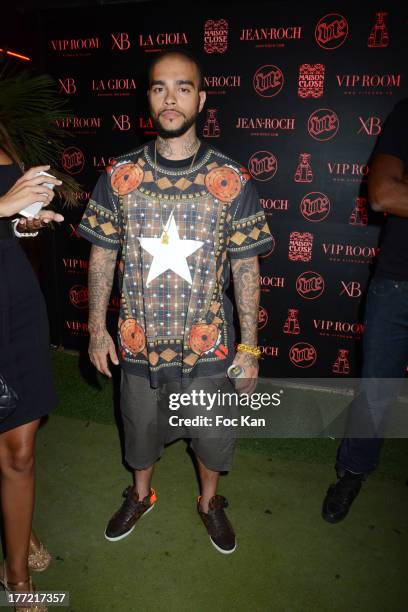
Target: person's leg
209,482
17,495
142,481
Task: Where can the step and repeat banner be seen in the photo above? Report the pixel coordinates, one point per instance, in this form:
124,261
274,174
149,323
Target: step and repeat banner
298,94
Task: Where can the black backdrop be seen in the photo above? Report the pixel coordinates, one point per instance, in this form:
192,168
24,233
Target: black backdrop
297,93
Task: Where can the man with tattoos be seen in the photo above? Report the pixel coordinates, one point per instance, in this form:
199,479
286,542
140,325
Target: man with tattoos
183,215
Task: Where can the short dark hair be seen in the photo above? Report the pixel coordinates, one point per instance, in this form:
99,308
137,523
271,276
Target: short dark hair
182,53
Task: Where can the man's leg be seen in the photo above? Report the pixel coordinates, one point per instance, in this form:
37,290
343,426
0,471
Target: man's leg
143,446
385,353
209,482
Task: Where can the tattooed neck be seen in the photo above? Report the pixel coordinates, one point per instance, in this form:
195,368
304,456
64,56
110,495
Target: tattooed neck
180,148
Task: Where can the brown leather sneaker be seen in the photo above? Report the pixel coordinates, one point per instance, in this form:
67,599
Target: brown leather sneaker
219,528
124,520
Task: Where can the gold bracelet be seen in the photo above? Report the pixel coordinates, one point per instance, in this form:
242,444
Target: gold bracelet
255,351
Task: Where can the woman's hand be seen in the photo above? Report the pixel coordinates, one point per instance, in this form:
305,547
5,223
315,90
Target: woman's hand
41,219
26,190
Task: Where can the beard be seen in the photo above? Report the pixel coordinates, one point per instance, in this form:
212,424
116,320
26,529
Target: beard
177,132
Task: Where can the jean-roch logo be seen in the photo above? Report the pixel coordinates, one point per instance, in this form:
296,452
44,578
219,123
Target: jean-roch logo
271,205
311,80
315,206
268,81
271,282
310,285
341,364
291,325
267,37
73,160
219,84
215,36
379,37
265,126
300,246
323,124
331,31
263,165
304,172
303,355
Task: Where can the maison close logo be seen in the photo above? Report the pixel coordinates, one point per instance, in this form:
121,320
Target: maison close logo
300,246
216,36
311,80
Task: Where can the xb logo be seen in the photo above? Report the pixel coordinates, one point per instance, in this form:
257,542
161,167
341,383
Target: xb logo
371,126
120,41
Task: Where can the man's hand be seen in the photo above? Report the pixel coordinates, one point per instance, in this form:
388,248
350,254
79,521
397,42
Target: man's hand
100,346
41,220
251,367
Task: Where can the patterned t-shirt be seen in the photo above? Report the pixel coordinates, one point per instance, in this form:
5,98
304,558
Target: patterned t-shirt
176,229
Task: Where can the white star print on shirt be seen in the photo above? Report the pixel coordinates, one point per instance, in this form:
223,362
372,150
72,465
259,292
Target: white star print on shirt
171,256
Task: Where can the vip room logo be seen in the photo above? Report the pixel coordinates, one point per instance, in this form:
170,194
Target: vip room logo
369,84
349,253
300,246
211,127
215,36
291,325
155,42
263,165
67,86
73,160
80,125
120,41
270,36
341,364
311,80
331,31
303,355
351,172
77,328
78,296
262,317
304,172
75,265
359,214
310,285
315,206
323,124
379,37
268,81
339,329
75,47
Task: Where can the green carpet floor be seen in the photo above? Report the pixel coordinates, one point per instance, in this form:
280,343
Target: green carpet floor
288,559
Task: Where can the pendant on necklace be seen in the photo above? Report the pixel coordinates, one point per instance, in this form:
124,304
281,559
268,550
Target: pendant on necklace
165,238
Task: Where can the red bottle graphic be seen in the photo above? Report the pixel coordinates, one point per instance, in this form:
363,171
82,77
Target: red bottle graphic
359,216
211,127
304,173
341,365
291,325
379,34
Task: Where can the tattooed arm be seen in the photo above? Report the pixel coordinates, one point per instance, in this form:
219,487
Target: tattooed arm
100,278
245,273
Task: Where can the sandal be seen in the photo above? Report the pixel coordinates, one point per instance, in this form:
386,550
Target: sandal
39,557
24,586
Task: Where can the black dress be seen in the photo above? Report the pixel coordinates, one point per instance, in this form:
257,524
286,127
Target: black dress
24,333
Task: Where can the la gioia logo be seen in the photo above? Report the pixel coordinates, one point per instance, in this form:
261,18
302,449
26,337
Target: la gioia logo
268,81
263,165
331,31
215,36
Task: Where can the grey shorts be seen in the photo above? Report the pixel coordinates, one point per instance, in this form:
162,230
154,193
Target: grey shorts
146,421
